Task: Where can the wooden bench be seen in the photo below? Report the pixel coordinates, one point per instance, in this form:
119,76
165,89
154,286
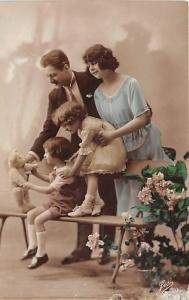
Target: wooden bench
116,221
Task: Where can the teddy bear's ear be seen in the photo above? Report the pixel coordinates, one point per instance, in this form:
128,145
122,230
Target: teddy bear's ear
12,157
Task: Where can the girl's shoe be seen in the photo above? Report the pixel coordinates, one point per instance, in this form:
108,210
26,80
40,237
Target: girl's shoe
98,205
85,209
80,211
29,253
38,261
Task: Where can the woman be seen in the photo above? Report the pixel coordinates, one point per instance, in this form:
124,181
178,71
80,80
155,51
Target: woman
120,101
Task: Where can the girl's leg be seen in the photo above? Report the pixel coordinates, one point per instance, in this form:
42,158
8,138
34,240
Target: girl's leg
98,204
87,205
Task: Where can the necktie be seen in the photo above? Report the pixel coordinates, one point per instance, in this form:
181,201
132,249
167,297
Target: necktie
69,90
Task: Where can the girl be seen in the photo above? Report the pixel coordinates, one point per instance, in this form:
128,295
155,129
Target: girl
91,159
120,101
63,196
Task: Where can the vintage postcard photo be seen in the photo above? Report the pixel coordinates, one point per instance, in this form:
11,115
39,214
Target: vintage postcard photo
94,150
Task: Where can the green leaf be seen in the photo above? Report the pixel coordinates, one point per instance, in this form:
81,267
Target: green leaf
157,212
183,203
131,176
185,230
149,219
143,208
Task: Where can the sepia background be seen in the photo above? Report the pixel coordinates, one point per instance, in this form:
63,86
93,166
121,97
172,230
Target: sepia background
149,38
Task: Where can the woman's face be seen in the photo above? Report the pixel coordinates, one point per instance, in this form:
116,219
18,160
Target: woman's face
95,70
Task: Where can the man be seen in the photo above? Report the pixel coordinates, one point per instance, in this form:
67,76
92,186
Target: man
81,86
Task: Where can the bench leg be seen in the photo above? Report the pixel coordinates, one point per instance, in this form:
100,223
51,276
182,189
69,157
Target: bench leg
3,219
25,233
118,259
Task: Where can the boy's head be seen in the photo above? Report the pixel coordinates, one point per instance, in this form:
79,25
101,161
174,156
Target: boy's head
58,147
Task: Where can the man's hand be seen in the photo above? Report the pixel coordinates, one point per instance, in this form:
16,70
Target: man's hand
30,158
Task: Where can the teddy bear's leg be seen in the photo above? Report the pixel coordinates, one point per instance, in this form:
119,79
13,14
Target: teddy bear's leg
27,204
19,196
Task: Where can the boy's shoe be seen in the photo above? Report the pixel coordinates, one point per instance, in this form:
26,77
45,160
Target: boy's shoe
29,253
38,261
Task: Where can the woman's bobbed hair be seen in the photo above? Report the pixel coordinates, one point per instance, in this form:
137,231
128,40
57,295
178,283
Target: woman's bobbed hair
59,147
101,55
68,113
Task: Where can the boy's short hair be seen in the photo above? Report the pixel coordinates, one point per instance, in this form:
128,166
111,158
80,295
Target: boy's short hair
56,58
68,113
59,147
101,55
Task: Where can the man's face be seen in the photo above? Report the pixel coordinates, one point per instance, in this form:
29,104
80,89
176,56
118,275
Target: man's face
59,77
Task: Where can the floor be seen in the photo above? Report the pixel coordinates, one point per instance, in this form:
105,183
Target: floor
84,280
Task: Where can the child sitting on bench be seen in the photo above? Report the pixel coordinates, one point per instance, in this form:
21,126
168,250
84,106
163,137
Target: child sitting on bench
63,193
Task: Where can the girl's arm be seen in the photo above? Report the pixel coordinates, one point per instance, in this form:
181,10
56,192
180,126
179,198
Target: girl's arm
135,124
37,188
77,165
41,176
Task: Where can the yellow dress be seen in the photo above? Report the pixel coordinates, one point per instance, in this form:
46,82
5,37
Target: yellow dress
100,159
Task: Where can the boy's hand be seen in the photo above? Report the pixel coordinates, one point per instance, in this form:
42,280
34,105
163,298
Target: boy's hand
26,186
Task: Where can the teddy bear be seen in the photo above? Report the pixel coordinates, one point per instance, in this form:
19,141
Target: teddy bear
19,171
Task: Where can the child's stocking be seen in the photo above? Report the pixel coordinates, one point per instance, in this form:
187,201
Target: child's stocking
98,204
41,243
32,236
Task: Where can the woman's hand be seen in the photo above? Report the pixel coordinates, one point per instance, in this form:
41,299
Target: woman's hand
104,137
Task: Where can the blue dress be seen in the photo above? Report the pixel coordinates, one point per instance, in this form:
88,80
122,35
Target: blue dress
124,105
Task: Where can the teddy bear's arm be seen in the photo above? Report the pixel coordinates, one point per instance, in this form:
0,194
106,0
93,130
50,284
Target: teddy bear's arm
16,178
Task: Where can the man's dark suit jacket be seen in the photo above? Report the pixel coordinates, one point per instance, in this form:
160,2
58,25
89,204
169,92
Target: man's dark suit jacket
87,85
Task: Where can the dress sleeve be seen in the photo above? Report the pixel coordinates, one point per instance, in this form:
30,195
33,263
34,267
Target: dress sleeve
90,129
137,100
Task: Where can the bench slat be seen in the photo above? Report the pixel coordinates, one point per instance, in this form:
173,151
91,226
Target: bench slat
101,220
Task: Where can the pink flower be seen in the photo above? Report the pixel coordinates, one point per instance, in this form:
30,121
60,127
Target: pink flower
144,247
161,187
127,217
145,195
157,177
93,241
128,263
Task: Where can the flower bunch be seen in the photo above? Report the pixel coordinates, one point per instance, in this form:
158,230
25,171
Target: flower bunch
157,186
127,217
94,243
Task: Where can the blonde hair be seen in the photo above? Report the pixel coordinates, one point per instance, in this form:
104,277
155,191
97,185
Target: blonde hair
68,113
